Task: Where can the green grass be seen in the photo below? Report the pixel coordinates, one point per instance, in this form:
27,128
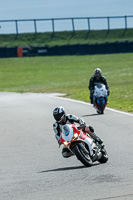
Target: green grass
70,75
65,38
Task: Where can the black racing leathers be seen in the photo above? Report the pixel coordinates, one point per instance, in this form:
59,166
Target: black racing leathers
93,81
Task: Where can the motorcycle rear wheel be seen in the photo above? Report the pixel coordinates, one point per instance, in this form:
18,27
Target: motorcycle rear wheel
82,154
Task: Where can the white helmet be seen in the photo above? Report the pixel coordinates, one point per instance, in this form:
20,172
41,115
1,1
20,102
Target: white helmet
97,72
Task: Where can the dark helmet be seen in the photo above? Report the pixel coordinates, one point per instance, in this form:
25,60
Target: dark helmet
97,72
60,115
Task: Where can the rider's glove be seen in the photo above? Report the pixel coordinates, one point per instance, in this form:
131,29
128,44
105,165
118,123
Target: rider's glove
91,128
82,122
108,92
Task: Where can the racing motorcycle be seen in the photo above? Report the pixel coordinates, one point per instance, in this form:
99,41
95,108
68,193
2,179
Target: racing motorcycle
100,98
82,145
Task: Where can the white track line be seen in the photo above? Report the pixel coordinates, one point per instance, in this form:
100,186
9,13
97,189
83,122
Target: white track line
57,95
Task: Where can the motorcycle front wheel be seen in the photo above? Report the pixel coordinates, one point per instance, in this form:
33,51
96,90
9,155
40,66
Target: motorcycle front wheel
101,107
82,154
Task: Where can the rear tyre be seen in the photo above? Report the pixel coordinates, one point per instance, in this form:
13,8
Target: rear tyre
82,154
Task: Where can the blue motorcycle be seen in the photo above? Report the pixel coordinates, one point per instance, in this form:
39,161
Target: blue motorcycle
100,98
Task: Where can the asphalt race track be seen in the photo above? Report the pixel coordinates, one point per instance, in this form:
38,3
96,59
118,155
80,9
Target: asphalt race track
31,164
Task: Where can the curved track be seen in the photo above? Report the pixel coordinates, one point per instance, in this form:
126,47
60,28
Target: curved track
31,164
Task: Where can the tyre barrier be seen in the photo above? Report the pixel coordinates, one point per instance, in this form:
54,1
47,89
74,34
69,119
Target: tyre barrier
78,49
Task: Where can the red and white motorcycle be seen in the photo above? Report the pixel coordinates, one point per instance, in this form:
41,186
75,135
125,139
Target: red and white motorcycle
82,145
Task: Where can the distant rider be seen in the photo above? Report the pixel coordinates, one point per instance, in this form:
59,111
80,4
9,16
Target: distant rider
62,118
96,78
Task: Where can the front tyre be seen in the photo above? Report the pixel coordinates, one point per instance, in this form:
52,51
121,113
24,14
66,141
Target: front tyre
82,154
101,106
100,112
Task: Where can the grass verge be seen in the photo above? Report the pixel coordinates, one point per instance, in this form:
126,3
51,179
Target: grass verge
70,75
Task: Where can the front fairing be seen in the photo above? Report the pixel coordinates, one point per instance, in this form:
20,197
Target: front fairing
100,90
71,135
67,133
100,97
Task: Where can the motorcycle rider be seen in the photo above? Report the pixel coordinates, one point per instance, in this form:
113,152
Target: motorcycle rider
62,118
96,78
